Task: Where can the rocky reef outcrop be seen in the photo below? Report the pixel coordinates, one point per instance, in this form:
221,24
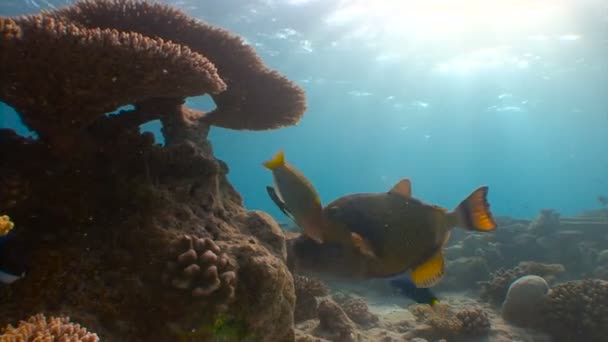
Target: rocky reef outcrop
138,241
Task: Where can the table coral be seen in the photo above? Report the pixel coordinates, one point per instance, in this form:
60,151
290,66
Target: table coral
39,328
256,97
577,311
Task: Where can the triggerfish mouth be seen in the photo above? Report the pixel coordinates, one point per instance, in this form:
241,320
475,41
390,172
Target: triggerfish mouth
401,233
295,195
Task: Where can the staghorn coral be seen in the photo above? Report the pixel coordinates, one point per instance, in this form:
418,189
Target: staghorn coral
6,225
256,98
577,311
76,62
201,268
475,322
307,289
495,289
40,329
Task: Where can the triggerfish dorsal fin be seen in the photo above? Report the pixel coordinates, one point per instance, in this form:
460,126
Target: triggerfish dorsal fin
474,212
430,272
403,188
275,198
276,161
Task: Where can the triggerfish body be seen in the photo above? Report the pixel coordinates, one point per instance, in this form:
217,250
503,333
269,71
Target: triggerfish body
402,233
296,196
407,288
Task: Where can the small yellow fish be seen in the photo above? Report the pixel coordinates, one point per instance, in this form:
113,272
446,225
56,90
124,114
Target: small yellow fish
401,233
296,196
6,225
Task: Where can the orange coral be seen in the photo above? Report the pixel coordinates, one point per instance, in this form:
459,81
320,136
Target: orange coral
39,328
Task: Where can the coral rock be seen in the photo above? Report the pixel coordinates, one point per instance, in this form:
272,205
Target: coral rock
307,289
356,308
335,323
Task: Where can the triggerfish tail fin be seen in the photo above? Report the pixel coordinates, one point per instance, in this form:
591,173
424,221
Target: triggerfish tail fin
474,212
276,161
430,272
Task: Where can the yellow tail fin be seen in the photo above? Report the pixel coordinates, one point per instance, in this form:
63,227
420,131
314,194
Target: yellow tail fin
276,161
474,212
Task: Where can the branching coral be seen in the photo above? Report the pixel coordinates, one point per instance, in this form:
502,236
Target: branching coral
475,322
577,311
40,329
256,98
495,289
6,225
202,268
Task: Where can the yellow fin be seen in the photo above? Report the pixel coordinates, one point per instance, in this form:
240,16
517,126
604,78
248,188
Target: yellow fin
362,244
403,188
276,161
430,272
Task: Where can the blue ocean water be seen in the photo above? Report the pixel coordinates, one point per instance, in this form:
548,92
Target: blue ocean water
451,94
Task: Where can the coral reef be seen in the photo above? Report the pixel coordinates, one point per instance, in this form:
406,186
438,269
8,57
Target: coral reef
136,240
39,328
495,289
577,311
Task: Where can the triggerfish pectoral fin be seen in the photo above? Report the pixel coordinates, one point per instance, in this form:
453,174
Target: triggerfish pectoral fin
430,272
275,198
363,245
474,212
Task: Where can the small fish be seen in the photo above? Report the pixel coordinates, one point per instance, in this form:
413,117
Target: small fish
402,233
295,195
12,266
406,287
